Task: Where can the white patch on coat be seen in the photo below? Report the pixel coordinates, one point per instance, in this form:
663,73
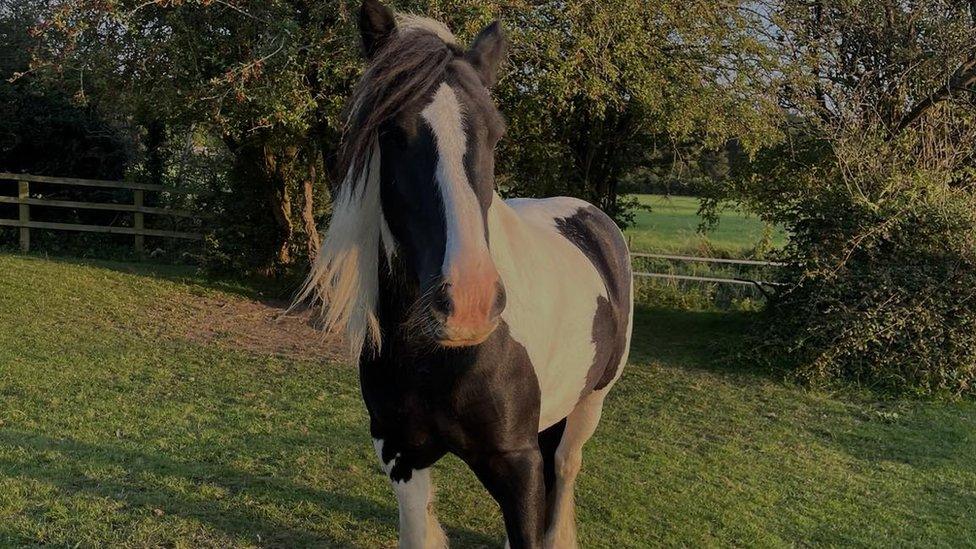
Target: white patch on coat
418,527
344,278
407,22
386,466
552,290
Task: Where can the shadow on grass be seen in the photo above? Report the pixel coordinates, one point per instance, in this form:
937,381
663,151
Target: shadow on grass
700,340
136,489
869,425
920,435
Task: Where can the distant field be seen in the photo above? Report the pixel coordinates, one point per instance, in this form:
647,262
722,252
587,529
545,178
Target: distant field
672,226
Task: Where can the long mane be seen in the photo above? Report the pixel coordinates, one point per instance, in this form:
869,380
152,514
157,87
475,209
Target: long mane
345,277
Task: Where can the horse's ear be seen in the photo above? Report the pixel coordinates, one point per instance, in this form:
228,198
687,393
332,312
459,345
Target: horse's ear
488,52
376,25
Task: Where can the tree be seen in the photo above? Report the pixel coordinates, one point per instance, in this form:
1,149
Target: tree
591,87
43,129
264,77
875,185
600,88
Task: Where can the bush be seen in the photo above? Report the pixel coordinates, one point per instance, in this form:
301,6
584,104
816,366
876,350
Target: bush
882,275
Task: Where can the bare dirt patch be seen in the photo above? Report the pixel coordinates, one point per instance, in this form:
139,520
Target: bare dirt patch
260,327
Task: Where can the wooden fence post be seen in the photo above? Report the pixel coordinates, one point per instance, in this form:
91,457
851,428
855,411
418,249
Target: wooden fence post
139,220
23,194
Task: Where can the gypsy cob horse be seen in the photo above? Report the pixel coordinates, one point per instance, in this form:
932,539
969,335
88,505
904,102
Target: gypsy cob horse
492,329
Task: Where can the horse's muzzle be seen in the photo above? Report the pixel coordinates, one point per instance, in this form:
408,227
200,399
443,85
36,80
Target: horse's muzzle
467,336
467,322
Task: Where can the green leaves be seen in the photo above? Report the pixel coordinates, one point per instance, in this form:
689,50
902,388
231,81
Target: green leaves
594,86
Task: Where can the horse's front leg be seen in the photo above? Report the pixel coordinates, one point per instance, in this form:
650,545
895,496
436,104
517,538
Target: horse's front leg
515,479
419,528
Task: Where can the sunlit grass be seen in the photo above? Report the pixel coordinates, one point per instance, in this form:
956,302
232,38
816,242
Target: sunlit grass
117,431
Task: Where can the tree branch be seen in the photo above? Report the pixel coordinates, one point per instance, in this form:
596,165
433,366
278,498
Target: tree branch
963,79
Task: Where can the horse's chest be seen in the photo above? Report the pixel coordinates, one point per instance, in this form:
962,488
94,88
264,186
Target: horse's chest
461,402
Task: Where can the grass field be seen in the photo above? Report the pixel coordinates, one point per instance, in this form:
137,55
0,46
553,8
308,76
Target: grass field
127,420
672,226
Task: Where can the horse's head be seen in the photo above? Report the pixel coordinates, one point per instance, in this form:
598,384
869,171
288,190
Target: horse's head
437,168
418,159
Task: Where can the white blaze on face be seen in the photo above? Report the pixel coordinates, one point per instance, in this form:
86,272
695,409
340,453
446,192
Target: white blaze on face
467,263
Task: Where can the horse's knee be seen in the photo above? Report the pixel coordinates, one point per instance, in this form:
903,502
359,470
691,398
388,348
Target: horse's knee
568,463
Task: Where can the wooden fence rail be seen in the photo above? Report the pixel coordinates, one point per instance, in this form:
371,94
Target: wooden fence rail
139,231
137,209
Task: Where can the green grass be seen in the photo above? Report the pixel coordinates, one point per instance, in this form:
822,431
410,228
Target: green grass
672,226
117,430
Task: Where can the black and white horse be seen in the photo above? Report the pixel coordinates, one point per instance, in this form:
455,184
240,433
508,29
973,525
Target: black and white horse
492,329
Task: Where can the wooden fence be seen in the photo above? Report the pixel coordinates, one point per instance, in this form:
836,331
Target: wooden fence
138,209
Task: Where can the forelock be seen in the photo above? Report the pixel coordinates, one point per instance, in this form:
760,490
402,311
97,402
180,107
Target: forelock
405,70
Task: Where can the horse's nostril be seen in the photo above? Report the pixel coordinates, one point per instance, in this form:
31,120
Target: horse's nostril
441,302
501,299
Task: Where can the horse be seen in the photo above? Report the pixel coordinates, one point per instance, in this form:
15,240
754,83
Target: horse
491,329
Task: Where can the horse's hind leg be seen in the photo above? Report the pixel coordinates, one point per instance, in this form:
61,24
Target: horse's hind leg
580,425
548,443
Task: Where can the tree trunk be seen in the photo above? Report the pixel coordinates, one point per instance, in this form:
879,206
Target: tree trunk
155,139
259,218
312,241
276,170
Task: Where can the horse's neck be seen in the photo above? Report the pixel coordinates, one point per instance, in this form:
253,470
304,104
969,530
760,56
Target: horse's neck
515,243
504,227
